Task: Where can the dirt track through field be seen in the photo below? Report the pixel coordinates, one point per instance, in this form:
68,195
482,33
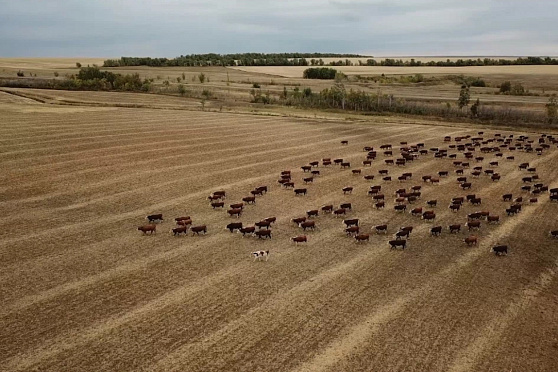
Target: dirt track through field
83,289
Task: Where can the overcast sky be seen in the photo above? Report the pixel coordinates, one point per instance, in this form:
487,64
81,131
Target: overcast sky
168,28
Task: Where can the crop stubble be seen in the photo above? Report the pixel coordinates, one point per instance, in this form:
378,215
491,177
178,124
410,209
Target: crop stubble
83,290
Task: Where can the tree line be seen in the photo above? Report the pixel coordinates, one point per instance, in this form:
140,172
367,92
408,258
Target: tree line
312,59
87,78
464,62
238,59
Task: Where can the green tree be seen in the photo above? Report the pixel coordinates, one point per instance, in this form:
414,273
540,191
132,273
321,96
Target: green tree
181,90
552,108
517,90
475,108
505,87
201,77
464,97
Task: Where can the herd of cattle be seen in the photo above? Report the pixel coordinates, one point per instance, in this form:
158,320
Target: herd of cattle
405,199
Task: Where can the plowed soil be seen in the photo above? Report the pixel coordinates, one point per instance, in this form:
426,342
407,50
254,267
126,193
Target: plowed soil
83,290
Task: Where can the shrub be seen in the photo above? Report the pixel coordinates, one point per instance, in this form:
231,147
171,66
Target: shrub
20,73
201,78
552,108
324,73
56,74
505,87
181,90
78,65
256,85
478,82
517,90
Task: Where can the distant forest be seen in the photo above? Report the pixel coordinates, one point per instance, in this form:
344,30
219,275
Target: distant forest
312,59
241,59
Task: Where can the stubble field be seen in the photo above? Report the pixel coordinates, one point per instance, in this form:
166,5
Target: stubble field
83,290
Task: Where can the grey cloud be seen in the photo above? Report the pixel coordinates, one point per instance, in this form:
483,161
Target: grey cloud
173,27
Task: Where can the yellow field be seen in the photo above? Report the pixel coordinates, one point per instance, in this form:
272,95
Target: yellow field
296,71
83,290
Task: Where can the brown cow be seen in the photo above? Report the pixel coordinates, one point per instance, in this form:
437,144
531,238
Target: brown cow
381,229
247,230
270,219
148,229
436,231
353,230
493,219
307,225
182,218
237,206
249,199
339,212
184,223
198,229
428,216
362,237
300,191
346,206
235,212
256,192
217,205
179,230
454,228
327,208
474,225
356,171
416,211
400,208
298,220
312,213
351,222
499,249
234,226
155,218
471,240
222,193
299,239
348,189
397,243
263,224
261,234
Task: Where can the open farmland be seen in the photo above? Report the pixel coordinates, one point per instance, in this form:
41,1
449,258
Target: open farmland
83,290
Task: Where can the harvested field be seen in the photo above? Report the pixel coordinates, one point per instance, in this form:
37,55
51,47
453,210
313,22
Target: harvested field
83,290
296,71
